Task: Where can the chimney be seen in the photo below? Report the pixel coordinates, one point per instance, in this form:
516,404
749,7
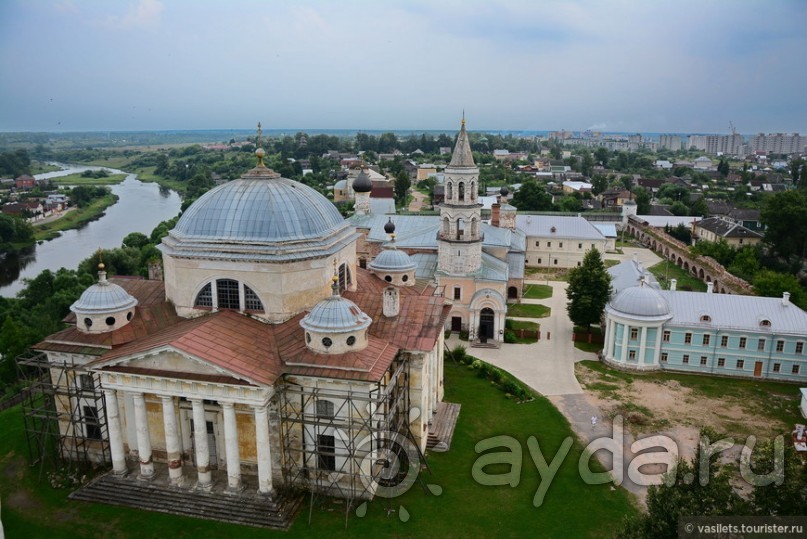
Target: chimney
495,214
785,299
673,284
709,287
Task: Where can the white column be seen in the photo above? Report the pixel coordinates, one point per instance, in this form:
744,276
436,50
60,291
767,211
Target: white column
143,439
115,433
657,353
264,450
642,345
231,447
172,448
204,480
625,333
612,342
609,337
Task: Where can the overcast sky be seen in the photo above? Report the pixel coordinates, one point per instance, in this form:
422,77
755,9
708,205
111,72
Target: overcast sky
663,66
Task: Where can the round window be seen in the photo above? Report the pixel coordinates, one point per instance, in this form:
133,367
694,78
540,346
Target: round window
351,340
327,342
128,316
110,320
388,278
88,322
405,278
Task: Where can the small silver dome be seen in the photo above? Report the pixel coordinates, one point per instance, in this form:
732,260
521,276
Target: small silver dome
335,314
640,301
103,298
362,183
392,260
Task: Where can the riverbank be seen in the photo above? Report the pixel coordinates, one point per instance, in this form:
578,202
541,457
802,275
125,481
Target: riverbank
78,179
74,219
144,174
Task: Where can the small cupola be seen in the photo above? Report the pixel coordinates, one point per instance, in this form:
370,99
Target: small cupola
362,183
336,325
103,307
392,265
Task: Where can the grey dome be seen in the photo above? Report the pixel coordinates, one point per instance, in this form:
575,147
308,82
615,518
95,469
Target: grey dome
393,261
362,183
263,208
103,298
335,314
640,301
504,191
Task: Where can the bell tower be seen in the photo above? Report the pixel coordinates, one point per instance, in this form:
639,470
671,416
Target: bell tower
460,237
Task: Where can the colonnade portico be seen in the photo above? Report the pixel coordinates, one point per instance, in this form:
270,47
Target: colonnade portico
173,444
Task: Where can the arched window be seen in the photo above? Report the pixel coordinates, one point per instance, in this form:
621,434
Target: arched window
461,191
706,318
765,323
205,297
446,227
474,227
325,408
460,228
344,277
449,191
473,191
228,294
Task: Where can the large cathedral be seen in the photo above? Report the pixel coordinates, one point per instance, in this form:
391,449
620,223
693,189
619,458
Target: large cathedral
269,356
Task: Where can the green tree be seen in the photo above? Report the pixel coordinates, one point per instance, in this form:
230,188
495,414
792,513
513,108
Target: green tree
785,218
602,154
642,198
746,263
690,494
772,284
532,197
589,290
787,499
568,204
402,185
135,239
599,183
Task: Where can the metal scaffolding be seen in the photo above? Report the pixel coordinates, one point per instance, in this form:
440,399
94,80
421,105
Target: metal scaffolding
347,451
64,413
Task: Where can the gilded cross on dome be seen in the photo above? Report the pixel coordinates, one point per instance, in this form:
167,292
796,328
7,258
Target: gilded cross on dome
260,151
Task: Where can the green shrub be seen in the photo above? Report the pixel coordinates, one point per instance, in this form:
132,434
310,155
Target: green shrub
463,335
508,324
510,337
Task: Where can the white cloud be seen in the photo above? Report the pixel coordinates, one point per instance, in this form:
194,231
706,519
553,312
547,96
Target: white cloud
144,14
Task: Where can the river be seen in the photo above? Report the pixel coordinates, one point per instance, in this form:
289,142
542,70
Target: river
140,207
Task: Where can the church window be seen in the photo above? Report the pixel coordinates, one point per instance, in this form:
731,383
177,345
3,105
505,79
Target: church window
307,337
227,294
579,245
706,318
539,260
327,342
666,335
703,360
537,243
743,341
780,346
388,278
556,261
549,244
344,277
405,278
707,339
129,316
449,190
685,359
795,369
761,345
251,300
664,357
560,246
351,340
740,364
457,292
446,227
326,456
634,333
799,347
721,362
325,408
88,322
205,297
687,338
724,341
765,323
777,367
461,191
363,263
110,321
92,428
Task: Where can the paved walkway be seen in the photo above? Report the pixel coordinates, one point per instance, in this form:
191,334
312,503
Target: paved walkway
548,367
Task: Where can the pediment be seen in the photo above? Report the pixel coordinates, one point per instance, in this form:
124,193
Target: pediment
173,361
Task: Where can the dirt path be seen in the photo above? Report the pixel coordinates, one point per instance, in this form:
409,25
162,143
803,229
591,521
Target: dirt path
418,199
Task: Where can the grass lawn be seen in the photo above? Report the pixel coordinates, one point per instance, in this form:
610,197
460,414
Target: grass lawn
147,175
666,269
523,324
586,346
78,179
526,310
537,291
570,508
609,263
38,167
74,218
549,274
775,400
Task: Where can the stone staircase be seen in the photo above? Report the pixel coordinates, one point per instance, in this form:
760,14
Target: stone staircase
247,508
494,345
441,431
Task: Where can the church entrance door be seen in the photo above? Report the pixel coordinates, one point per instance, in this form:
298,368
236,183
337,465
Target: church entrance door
486,324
